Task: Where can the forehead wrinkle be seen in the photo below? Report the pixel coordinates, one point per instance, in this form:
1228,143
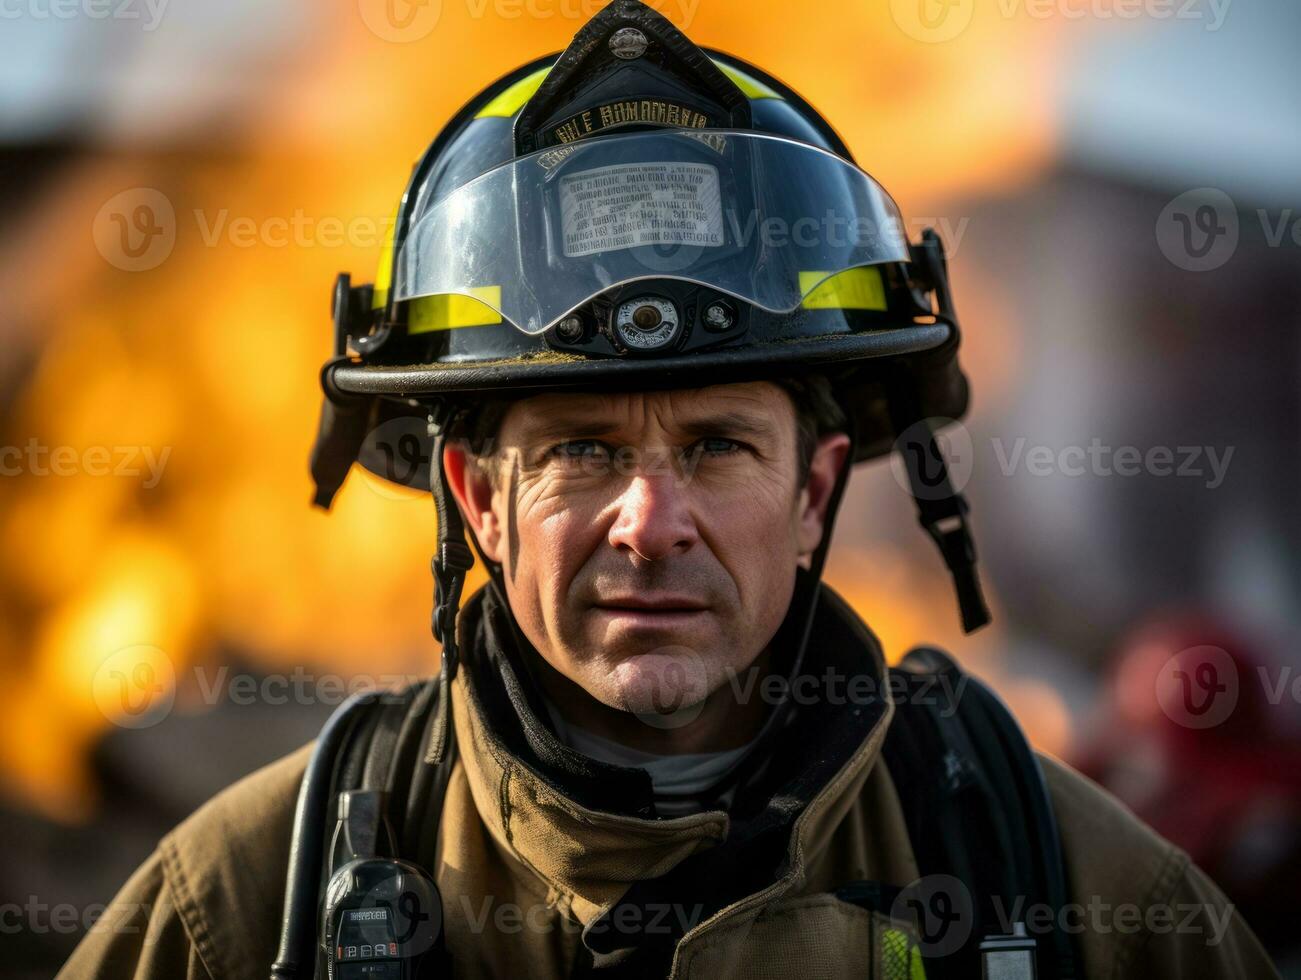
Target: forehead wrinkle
735,410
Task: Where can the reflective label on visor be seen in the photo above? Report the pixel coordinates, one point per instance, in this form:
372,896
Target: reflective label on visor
628,205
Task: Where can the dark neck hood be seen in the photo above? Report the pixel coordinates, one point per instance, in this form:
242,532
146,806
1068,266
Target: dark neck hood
815,747
803,742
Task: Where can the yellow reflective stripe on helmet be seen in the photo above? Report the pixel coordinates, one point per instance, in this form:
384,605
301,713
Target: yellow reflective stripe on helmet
511,100
383,279
853,289
900,957
384,274
447,311
748,84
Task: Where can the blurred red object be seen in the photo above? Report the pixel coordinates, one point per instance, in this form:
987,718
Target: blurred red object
1198,734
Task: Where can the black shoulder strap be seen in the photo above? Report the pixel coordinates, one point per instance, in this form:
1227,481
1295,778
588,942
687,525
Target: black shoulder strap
976,808
389,749
377,740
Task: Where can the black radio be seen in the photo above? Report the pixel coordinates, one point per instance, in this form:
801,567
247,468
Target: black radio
382,918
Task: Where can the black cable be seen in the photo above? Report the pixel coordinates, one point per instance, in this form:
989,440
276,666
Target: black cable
296,958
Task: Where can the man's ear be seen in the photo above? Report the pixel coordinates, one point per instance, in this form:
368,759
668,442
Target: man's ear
828,458
473,491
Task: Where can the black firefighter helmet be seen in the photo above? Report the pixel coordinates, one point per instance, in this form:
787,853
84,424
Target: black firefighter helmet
642,213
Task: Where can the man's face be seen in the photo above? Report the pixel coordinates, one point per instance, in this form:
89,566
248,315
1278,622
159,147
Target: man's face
649,541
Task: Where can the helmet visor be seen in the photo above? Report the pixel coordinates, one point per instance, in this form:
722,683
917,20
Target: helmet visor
761,218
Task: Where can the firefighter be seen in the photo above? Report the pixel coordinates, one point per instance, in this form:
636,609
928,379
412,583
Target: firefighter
641,317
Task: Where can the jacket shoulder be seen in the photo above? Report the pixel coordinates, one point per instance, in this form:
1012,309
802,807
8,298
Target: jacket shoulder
206,905
225,867
1138,906
1092,823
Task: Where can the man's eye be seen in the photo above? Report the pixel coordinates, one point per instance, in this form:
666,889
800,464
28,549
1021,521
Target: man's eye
578,449
715,446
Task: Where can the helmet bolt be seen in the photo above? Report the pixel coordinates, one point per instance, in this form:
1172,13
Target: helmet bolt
719,316
570,329
646,317
628,43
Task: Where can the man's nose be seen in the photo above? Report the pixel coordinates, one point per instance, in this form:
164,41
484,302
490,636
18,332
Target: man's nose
654,519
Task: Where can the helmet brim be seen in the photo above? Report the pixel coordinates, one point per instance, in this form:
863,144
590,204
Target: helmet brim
560,370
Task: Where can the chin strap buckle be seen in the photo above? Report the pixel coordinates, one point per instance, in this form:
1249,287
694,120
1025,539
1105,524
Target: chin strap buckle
945,520
453,557
942,512
449,566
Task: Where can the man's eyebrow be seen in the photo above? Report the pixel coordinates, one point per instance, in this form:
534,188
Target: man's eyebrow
586,427
730,423
568,427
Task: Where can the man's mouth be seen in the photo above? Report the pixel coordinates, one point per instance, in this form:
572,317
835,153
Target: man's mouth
652,604
650,608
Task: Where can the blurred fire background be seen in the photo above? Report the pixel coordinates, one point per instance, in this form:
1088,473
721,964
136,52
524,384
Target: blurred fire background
158,393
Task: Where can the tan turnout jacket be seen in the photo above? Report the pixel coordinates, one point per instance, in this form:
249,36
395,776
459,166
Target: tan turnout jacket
522,869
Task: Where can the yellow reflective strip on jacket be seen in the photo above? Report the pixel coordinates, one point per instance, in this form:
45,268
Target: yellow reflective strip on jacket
853,289
447,311
511,100
748,84
900,958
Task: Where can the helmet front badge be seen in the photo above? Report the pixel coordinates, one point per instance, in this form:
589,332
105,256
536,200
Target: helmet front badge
628,43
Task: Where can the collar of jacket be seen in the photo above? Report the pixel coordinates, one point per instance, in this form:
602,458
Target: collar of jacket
586,829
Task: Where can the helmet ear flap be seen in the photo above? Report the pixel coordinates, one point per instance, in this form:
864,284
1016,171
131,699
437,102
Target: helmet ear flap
382,434
888,397
345,420
937,390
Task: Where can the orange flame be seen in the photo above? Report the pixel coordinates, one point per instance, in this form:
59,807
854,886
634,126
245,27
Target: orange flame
210,359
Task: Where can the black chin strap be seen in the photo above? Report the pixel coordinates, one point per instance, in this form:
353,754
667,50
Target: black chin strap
941,510
808,603
452,559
